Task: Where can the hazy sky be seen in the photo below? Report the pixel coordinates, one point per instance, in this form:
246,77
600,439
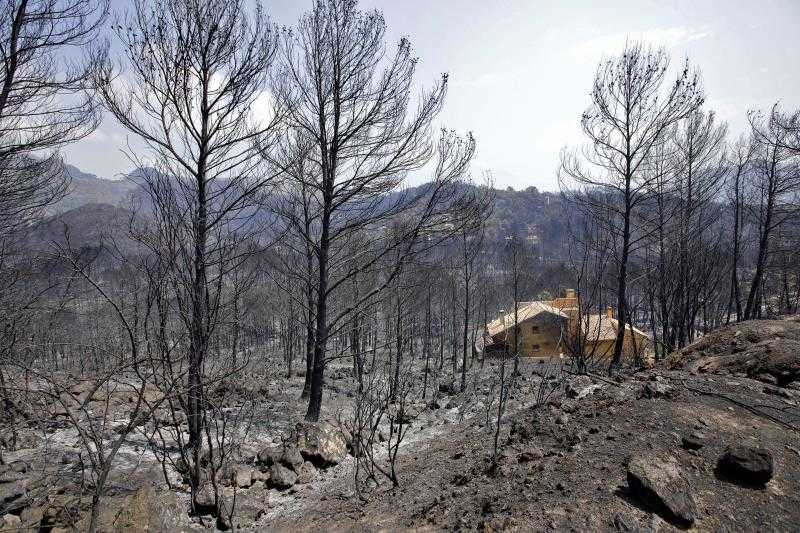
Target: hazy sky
521,70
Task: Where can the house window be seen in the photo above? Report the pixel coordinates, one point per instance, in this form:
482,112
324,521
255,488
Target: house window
535,329
535,347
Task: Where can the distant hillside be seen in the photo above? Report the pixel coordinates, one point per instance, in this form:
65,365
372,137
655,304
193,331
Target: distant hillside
539,217
89,189
87,226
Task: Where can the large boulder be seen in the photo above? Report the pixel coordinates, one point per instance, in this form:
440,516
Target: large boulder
247,510
11,522
292,458
242,476
746,465
320,442
269,455
62,511
204,499
147,509
281,477
13,496
657,482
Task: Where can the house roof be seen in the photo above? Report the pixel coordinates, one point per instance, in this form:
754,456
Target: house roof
604,328
598,327
525,311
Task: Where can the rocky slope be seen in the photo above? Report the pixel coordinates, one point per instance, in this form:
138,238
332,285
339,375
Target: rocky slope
688,446
644,453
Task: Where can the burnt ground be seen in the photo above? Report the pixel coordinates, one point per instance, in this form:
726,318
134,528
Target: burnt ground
563,466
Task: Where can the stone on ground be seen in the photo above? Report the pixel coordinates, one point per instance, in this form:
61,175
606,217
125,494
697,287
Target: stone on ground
269,455
281,477
320,442
657,482
242,477
623,522
292,458
204,498
13,496
693,441
580,387
743,464
657,389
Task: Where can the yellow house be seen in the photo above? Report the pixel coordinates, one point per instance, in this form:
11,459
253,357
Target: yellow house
553,328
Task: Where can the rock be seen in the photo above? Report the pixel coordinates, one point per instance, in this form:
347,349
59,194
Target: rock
281,477
746,465
693,441
657,482
11,521
13,496
461,479
23,439
623,522
292,458
534,454
31,517
242,477
448,388
63,511
82,389
320,442
247,510
145,510
305,473
581,387
204,499
258,475
562,419
657,389
19,467
779,391
169,418
767,378
407,413
269,456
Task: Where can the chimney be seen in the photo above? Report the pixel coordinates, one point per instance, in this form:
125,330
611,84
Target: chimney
609,312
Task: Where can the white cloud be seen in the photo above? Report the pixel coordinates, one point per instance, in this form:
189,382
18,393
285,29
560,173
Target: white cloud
668,37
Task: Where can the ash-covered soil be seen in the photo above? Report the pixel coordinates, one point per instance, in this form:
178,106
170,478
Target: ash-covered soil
564,465
767,350
644,451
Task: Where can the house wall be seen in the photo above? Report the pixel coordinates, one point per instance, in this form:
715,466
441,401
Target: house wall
604,350
540,342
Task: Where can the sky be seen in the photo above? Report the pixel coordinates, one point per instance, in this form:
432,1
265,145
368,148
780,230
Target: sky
520,71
